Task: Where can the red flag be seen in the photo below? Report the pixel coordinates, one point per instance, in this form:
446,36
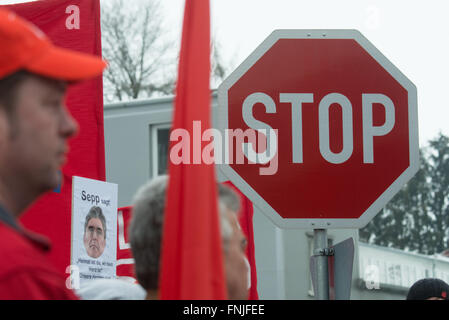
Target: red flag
72,24
192,262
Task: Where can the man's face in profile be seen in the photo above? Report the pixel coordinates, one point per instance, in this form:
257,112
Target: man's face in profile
34,137
94,240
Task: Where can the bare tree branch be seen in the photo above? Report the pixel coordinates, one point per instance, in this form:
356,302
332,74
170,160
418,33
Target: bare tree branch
142,60
136,48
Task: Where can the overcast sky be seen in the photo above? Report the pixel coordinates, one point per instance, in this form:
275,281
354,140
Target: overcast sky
411,34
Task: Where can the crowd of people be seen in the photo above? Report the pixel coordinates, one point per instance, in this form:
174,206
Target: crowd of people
34,128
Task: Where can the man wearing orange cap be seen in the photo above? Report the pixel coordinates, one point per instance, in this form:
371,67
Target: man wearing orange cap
34,128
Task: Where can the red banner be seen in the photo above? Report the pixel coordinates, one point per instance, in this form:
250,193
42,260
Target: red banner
125,261
73,24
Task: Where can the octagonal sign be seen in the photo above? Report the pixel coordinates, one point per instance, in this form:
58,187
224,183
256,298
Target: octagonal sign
320,128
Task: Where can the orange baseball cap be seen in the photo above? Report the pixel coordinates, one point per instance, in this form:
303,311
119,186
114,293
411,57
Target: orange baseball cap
23,46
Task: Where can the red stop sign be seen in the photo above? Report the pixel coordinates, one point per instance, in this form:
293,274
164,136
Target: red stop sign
341,125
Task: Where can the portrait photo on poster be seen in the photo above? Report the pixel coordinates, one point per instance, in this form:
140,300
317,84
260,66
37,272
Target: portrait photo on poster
95,232
94,228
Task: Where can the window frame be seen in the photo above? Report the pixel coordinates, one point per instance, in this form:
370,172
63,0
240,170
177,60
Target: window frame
154,156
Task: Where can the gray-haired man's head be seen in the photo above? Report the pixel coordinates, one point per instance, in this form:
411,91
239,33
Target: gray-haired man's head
147,226
146,231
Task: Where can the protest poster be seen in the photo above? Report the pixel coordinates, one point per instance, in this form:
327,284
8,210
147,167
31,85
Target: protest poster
94,228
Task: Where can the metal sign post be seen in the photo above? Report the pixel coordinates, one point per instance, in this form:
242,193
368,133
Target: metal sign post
321,252
331,268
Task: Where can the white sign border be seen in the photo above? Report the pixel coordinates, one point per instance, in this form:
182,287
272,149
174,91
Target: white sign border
387,195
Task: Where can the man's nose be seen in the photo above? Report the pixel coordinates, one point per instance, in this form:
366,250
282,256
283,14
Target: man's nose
69,126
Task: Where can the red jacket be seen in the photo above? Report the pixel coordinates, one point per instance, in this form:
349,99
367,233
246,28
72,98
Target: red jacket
25,273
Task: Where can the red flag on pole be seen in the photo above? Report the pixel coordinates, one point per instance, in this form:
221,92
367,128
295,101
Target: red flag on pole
191,257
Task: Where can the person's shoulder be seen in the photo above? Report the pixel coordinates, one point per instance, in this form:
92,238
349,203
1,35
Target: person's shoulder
12,240
19,253
40,284
25,272
13,244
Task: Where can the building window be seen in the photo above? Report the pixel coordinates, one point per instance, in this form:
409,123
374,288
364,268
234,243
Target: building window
159,148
